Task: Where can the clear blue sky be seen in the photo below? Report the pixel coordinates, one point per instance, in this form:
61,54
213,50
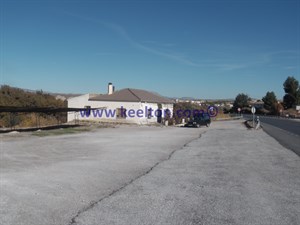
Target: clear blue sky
203,49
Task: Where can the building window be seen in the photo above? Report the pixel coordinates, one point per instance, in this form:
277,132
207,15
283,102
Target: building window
149,113
121,113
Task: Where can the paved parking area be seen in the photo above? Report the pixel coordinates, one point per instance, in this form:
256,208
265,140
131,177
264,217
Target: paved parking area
224,174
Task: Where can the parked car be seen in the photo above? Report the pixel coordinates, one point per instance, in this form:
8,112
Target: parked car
199,120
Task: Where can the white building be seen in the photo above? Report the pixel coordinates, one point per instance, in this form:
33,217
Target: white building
124,106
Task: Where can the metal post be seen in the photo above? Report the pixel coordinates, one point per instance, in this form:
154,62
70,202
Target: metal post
36,120
253,119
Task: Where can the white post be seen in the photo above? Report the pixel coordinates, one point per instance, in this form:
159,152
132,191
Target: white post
253,112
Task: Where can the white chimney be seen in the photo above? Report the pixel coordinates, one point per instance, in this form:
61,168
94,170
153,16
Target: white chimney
111,89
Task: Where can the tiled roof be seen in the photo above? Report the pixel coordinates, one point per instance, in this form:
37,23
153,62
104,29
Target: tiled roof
132,95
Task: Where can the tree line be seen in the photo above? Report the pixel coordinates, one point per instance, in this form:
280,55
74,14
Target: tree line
271,105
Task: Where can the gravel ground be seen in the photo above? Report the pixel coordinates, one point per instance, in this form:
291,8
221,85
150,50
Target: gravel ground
48,180
224,174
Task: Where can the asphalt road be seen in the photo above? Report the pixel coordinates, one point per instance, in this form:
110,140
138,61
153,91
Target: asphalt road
285,131
225,174
289,125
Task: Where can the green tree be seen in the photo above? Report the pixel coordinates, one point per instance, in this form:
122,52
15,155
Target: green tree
241,101
270,101
186,110
292,90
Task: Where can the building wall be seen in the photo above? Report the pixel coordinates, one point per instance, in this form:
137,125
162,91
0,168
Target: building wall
136,112
77,102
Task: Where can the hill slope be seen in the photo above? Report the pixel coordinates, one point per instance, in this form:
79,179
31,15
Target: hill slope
11,96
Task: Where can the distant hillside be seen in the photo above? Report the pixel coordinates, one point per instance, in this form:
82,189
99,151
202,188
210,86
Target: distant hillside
62,96
205,100
11,96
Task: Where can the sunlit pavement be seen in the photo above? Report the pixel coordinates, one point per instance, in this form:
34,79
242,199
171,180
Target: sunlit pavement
224,174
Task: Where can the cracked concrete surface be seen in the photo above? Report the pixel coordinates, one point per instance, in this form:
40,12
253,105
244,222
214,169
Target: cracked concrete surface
93,204
50,180
147,175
